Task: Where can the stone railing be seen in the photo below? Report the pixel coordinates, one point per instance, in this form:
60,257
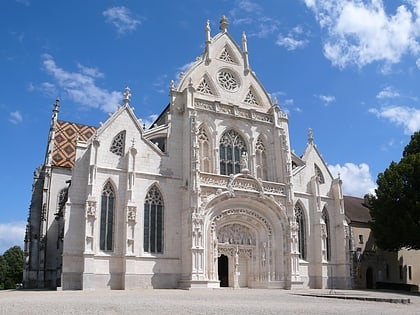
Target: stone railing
235,110
241,183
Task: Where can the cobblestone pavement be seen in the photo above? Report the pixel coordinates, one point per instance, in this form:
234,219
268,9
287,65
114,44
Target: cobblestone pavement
213,301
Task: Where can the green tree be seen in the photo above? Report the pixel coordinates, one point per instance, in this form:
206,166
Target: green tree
395,209
14,258
3,270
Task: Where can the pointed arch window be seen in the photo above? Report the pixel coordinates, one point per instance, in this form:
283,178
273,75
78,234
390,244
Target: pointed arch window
301,222
231,148
107,218
153,222
261,159
205,157
326,219
319,174
117,145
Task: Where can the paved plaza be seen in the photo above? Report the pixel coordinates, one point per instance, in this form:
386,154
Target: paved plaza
216,301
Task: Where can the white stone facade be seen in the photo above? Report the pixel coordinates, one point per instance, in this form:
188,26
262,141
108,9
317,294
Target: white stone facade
207,197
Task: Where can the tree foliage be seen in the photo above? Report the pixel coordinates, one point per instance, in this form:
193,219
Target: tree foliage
395,210
11,267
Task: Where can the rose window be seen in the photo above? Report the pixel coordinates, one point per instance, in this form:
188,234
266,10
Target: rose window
227,80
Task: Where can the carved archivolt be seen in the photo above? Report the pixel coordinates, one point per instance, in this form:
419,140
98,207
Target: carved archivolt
245,212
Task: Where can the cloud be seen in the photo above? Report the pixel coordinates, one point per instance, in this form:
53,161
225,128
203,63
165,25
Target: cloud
326,99
361,32
251,13
15,117
121,18
11,234
408,117
387,92
292,40
357,179
81,86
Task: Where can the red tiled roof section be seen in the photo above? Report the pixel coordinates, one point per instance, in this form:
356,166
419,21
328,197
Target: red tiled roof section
356,210
66,134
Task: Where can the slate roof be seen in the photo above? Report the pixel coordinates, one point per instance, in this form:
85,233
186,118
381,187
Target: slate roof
356,210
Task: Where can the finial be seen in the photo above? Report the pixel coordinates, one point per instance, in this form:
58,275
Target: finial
208,29
223,24
244,44
275,101
172,85
56,105
127,96
310,136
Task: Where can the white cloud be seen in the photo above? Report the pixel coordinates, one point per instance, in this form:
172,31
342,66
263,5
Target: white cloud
15,117
81,86
357,179
11,234
293,39
121,18
326,99
408,117
361,32
388,92
251,13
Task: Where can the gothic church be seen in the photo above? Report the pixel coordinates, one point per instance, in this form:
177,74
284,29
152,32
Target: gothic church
210,196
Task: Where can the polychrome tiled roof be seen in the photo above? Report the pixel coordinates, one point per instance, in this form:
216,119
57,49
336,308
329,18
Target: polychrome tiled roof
66,135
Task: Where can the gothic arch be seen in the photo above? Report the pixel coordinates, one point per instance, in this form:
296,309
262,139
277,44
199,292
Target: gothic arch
206,148
154,221
302,222
232,145
107,216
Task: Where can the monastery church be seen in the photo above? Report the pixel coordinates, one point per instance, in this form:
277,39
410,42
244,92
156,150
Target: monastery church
210,196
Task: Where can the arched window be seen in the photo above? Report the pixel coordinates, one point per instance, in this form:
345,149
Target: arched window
326,219
107,217
261,159
300,220
117,145
231,148
153,222
205,157
319,174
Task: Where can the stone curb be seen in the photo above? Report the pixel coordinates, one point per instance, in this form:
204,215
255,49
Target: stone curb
360,298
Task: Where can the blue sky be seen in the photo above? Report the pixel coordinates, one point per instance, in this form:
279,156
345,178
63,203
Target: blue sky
348,69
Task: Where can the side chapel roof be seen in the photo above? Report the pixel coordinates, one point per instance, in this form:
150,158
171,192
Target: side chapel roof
356,210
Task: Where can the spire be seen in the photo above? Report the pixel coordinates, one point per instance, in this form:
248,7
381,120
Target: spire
223,24
127,96
51,135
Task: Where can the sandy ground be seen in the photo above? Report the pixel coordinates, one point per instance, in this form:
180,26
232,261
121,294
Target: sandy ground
212,301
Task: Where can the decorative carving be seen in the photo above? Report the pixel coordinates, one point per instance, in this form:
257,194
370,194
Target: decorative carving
236,234
244,212
91,208
131,213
